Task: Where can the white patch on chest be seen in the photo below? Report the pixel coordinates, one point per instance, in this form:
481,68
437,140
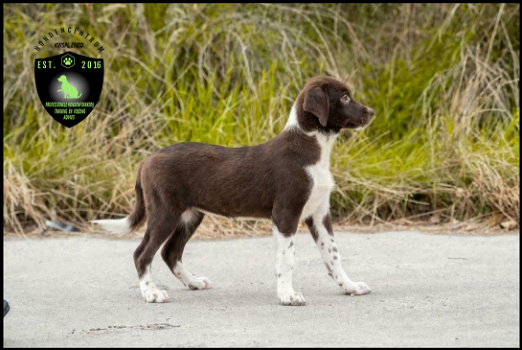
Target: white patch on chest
322,179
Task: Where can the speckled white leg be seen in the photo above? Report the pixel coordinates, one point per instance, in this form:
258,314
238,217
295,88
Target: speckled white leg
149,291
189,280
332,259
285,261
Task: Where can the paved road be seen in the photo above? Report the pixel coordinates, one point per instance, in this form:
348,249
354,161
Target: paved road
427,291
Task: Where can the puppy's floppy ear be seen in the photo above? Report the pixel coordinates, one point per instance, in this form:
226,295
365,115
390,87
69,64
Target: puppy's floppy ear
316,102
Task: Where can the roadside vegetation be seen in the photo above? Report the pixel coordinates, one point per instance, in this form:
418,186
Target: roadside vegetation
443,80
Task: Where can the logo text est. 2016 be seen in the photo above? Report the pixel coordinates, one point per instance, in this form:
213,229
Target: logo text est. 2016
85,64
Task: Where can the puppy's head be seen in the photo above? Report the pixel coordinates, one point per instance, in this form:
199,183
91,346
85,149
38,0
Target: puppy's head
327,105
63,78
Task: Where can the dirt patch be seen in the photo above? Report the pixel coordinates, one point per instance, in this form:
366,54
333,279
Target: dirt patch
147,327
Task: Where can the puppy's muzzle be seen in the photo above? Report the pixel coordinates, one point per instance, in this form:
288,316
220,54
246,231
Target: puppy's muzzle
367,115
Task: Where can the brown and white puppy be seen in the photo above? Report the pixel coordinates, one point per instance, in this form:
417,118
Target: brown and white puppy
287,180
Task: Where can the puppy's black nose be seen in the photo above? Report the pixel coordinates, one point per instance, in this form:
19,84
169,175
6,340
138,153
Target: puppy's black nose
368,112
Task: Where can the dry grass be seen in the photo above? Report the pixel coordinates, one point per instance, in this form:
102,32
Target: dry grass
443,79
214,228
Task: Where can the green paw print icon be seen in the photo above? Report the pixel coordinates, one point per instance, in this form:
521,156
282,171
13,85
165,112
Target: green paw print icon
67,61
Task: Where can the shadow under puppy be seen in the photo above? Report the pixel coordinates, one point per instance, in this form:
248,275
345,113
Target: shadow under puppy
286,179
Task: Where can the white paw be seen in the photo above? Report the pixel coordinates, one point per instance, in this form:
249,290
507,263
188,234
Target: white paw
292,299
356,288
155,296
199,283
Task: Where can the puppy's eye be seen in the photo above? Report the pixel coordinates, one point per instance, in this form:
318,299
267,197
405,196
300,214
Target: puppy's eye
345,99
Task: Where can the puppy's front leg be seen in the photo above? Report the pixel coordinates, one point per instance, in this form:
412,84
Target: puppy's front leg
284,229
321,228
285,261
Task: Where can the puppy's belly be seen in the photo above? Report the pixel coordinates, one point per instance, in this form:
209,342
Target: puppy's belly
234,216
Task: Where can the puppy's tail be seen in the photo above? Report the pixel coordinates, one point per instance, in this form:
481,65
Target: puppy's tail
132,222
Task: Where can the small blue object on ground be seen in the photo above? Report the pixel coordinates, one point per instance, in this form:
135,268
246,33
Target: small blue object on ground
6,307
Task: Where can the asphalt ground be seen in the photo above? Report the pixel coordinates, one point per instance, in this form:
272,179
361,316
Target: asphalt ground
427,290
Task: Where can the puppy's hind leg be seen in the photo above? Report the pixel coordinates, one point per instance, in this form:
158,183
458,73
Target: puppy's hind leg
160,225
172,251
